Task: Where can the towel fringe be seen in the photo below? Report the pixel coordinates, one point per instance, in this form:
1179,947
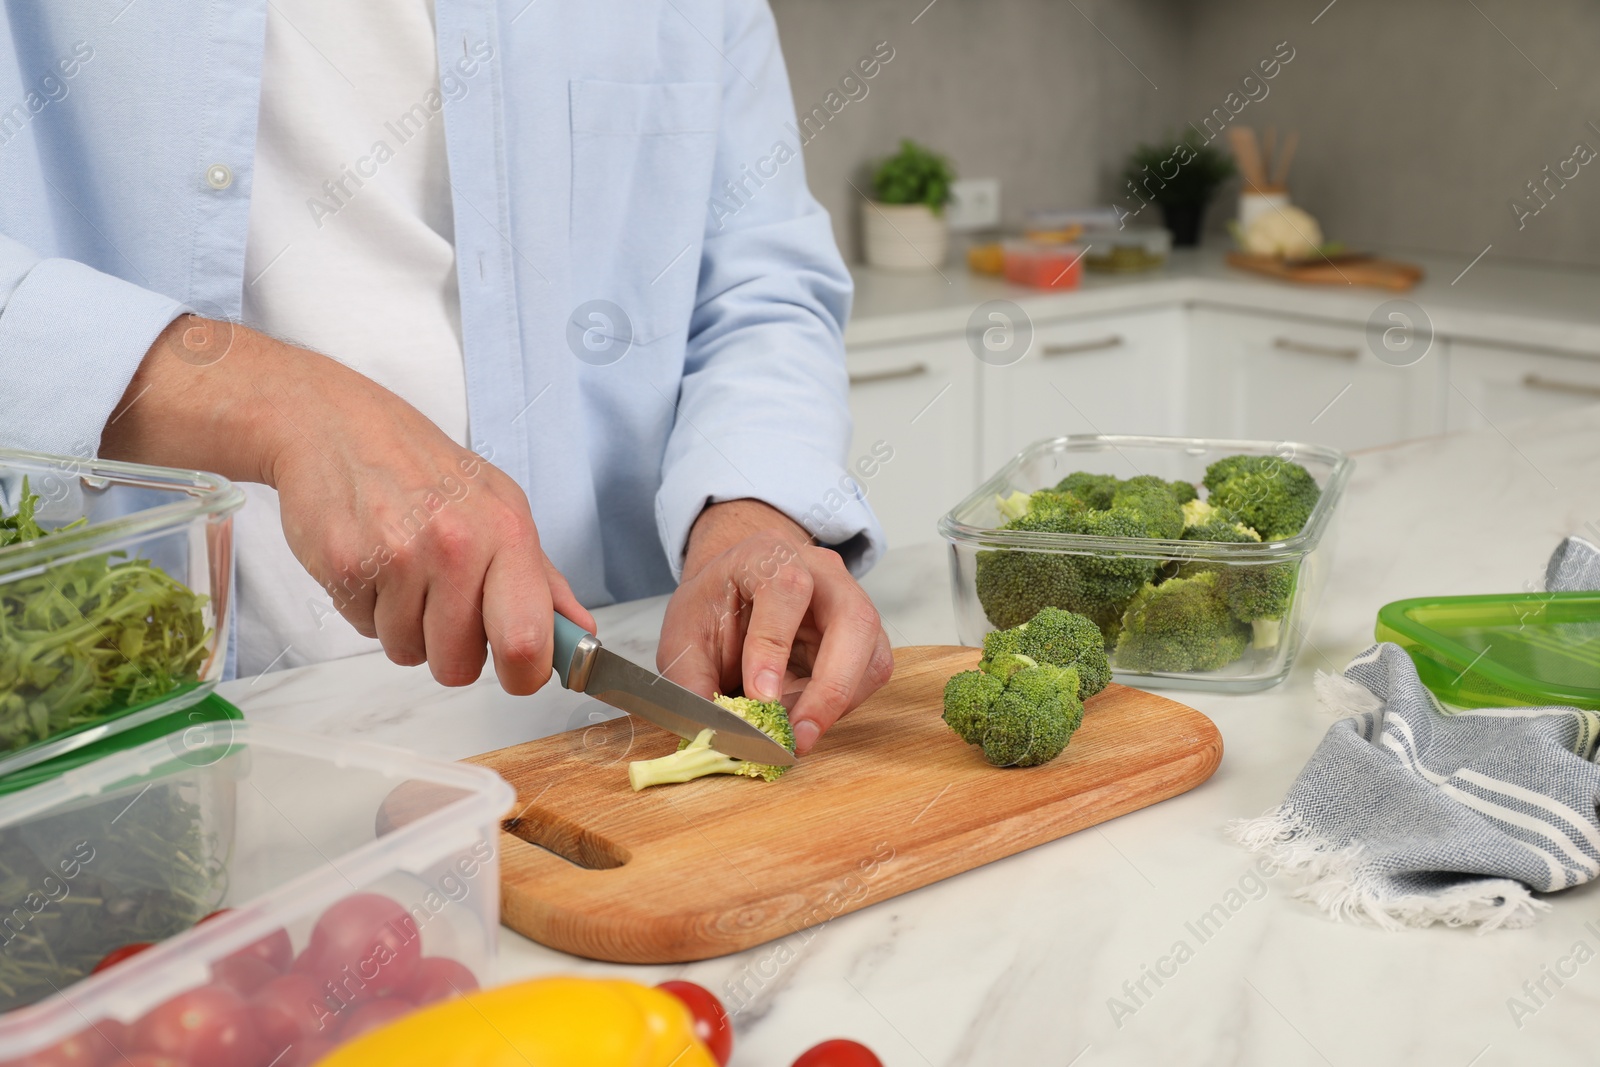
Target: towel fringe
1330,879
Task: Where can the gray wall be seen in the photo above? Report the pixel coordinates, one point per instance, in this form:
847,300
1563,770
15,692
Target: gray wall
1418,120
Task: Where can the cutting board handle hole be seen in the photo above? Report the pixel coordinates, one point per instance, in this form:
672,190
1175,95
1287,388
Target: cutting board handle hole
577,845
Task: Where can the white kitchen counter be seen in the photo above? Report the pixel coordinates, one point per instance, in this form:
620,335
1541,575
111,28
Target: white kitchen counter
1497,301
1014,963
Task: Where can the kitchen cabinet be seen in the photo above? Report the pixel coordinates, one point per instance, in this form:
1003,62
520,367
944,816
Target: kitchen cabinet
1113,374
1494,384
913,402
1290,379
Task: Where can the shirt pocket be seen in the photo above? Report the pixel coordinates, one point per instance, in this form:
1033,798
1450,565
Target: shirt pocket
642,163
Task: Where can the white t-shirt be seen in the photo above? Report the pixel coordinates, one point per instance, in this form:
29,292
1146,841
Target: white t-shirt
351,253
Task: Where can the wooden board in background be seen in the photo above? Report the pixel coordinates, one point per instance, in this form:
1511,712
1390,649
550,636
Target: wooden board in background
1338,270
890,800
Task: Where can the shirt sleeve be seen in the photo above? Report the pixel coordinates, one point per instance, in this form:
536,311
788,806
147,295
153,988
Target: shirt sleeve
71,338
763,410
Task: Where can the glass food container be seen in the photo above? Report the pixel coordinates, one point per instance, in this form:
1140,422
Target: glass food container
1047,568
1127,251
115,583
360,882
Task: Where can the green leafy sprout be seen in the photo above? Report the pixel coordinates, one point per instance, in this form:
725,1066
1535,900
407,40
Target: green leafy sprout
1193,626
87,638
696,758
914,175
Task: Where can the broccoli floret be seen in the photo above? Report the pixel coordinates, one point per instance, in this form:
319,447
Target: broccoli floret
1259,594
1272,496
1023,722
1155,502
1182,625
696,758
1013,586
1014,505
1054,637
968,696
1095,490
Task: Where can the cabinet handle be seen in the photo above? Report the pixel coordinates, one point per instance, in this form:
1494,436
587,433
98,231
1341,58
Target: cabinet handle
910,370
1554,385
1286,344
1098,345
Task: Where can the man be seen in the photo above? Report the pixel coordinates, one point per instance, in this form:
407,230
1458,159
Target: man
553,376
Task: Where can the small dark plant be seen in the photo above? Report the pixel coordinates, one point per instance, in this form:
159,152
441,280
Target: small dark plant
914,175
1182,174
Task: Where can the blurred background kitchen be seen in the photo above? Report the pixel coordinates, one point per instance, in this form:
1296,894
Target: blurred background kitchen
1446,140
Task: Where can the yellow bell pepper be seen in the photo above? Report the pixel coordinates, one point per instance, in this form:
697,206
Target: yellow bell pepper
548,1022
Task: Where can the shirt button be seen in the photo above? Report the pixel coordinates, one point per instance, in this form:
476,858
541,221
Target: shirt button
219,176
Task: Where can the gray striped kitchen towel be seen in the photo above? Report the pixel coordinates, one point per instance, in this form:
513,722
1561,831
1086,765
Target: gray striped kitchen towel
1408,814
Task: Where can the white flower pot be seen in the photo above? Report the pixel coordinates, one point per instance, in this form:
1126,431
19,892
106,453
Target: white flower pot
904,236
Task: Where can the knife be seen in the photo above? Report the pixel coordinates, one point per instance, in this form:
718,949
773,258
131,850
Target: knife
585,666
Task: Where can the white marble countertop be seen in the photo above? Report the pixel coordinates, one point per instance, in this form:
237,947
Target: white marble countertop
1498,301
1015,963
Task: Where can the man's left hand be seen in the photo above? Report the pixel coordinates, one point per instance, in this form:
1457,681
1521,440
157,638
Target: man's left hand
764,611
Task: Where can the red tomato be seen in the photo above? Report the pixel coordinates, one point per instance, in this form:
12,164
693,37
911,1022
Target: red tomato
366,944
245,975
711,1024
291,1008
838,1052
373,1016
274,950
150,1059
438,978
117,955
214,915
211,1025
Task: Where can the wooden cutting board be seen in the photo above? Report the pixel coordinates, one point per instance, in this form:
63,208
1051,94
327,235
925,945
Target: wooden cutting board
889,801
1346,269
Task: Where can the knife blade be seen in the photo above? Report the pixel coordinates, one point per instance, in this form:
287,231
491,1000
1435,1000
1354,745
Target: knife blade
586,666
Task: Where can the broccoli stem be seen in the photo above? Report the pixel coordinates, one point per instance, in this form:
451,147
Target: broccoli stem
696,760
1264,633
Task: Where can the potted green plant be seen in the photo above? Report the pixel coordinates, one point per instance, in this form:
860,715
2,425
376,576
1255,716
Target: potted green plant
904,226
1181,178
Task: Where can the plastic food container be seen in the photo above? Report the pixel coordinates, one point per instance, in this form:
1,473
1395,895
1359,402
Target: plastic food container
119,613
1127,251
972,531
1502,650
362,881
1042,265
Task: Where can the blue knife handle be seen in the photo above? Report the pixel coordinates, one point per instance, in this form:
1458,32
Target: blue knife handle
568,636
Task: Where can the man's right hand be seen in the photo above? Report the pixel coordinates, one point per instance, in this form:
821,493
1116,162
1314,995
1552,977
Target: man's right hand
420,542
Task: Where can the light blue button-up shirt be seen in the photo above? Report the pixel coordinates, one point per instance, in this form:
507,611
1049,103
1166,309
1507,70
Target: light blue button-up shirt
635,153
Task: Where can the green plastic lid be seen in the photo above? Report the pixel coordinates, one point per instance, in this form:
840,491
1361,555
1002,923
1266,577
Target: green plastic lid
210,709
1502,650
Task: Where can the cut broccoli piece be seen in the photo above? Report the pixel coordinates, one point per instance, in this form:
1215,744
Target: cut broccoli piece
1259,594
1095,490
1181,625
696,758
1023,722
1155,502
1014,505
968,696
1054,637
1272,496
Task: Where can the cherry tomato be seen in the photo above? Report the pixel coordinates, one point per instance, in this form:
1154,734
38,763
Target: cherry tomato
366,944
274,950
438,978
373,1016
711,1024
245,975
150,1059
290,1009
838,1052
211,1025
117,955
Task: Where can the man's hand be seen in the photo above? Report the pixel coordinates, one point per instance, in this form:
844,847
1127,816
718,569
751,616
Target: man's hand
763,610
420,543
